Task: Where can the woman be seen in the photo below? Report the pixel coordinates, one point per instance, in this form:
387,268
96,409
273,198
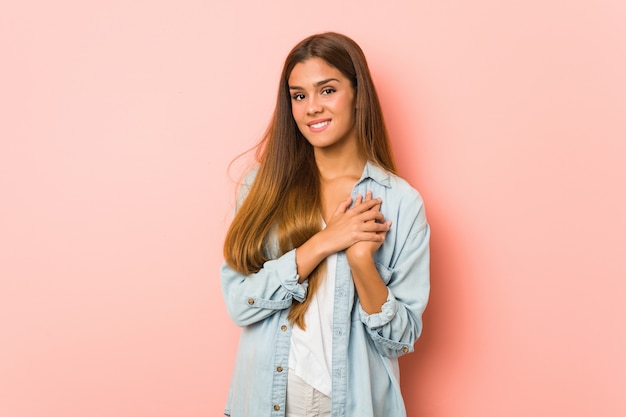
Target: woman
327,259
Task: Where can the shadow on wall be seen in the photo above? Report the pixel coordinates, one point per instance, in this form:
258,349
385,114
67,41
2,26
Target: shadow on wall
413,367
443,342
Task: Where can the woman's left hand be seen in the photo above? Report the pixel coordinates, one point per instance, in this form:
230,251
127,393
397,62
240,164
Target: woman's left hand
365,249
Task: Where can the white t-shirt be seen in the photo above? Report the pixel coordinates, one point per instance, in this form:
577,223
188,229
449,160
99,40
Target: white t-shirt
310,357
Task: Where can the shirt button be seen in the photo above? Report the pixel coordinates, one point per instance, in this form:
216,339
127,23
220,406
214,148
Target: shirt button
405,349
276,407
279,368
250,301
283,328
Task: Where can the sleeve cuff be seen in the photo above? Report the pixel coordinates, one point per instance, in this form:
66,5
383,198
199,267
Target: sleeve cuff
387,313
290,281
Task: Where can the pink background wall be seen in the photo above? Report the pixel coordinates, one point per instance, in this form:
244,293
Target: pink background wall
117,123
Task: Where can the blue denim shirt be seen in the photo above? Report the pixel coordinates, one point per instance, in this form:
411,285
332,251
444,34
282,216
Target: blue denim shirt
365,347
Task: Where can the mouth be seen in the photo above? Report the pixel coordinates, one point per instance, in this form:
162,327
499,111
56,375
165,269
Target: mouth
318,124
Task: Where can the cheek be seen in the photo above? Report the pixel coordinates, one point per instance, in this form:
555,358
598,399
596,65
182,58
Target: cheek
296,112
345,104
298,118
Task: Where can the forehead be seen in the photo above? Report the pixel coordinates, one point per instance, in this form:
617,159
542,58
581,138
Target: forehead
313,70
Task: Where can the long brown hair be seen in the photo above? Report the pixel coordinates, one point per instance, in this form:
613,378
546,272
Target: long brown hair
283,204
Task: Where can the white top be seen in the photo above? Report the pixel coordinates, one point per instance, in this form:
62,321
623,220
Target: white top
310,355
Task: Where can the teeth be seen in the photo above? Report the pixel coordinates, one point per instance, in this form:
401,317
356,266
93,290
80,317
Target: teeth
320,124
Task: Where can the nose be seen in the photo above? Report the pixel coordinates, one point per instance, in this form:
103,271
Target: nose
313,106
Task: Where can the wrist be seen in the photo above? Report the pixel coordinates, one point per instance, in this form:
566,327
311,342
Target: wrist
361,250
322,245
359,259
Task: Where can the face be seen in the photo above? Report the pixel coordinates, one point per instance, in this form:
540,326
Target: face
322,103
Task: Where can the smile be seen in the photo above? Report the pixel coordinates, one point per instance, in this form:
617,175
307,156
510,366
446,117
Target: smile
317,125
320,124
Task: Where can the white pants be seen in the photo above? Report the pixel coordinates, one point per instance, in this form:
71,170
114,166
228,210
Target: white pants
305,401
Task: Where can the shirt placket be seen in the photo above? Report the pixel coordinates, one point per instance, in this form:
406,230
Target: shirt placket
281,363
341,333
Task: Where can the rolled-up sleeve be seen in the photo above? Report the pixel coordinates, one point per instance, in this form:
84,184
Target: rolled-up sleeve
399,323
251,298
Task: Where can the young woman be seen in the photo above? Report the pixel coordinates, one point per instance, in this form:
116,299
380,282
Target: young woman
327,258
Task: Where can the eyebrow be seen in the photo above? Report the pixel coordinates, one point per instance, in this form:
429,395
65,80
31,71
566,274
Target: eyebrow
317,84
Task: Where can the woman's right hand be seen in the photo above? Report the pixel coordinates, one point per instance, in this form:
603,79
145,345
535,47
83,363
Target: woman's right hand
349,225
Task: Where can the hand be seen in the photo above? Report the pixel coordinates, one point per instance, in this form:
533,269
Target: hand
362,228
364,249
362,223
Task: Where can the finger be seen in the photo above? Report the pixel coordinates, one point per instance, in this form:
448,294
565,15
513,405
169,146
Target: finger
376,227
366,205
383,233
377,206
372,214
371,236
343,206
368,196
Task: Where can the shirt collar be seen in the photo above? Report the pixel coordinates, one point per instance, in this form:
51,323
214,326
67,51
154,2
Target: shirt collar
376,173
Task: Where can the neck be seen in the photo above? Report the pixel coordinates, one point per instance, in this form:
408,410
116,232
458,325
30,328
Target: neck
339,162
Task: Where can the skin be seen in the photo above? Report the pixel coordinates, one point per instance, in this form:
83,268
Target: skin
322,94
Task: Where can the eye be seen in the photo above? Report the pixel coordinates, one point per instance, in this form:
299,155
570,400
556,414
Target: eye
297,97
328,90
